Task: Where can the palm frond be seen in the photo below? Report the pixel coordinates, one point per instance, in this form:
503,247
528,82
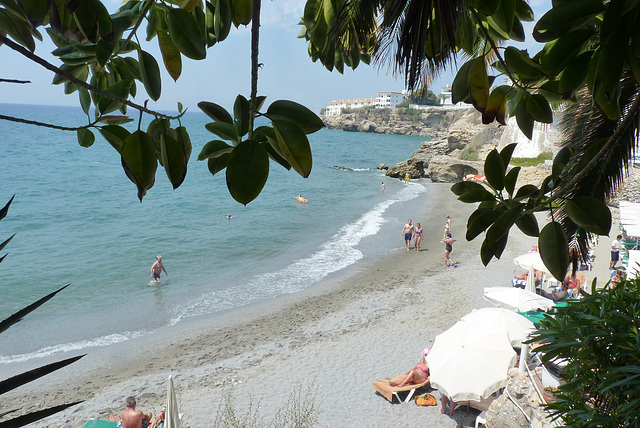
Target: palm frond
585,127
418,38
8,322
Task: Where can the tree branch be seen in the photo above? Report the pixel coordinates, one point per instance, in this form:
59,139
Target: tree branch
255,38
45,125
14,81
33,57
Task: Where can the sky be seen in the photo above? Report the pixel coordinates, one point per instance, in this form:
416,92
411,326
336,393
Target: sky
287,72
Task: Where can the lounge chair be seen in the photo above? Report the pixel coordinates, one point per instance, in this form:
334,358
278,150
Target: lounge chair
384,387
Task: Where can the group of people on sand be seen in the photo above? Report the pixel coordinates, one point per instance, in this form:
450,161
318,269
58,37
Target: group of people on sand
409,231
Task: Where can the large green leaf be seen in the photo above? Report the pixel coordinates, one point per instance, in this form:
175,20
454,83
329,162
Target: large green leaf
85,100
174,160
217,164
524,11
215,112
35,10
510,180
139,160
489,250
496,106
170,55
505,15
462,187
305,119
560,161
590,213
557,54
18,29
247,171
241,115
565,16
241,11
223,130
538,107
528,224
478,82
554,249
503,224
477,195
294,146
85,137
214,149
460,88
575,73
494,170
524,119
519,62
270,147
115,135
480,220
150,74
119,89
186,34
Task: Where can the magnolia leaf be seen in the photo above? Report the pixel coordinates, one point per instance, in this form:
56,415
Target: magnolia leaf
294,146
565,16
138,155
186,34
182,136
85,100
120,90
476,196
478,82
554,249
150,74
526,191
115,135
217,164
170,55
524,11
503,224
528,224
462,187
460,88
241,11
86,137
223,130
524,119
561,159
214,149
507,152
590,213
480,220
241,115
538,107
174,160
115,119
510,180
247,171
305,119
519,62
494,170
496,106
575,73
489,250
269,146
215,112
557,54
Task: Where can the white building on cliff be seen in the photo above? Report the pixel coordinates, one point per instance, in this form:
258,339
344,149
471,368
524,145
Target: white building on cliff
382,100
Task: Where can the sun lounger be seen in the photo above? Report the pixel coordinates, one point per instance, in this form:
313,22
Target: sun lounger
99,423
387,391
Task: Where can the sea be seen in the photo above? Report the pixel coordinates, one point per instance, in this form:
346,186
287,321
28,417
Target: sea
77,220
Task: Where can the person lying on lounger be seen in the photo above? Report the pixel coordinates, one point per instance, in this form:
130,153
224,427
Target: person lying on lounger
558,294
417,375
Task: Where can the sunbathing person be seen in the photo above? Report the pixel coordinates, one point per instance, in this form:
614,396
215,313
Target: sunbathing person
417,375
558,294
132,418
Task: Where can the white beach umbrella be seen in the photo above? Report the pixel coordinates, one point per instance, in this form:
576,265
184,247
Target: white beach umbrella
469,362
517,327
531,280
171,418
530,260
517,299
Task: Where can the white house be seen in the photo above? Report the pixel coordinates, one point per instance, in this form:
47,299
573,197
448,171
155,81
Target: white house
390,99
445,93
336,107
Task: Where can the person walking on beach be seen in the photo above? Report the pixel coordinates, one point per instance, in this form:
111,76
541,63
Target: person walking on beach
447,226
407,177
157,269
130,417
448,248
417,236
407,231
616,245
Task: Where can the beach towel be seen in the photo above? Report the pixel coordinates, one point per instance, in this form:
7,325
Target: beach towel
383,387
99,423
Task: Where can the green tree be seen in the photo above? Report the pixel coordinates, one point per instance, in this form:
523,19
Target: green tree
598,338
588,67
104,62
423,98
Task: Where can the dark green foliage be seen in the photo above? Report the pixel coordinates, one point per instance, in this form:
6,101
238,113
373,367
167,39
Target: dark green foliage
598,337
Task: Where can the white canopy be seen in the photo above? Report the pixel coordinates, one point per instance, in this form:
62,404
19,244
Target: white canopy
530,260
630,217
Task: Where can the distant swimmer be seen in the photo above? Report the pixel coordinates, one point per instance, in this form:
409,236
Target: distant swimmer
229,216
157,269
383,187
299,198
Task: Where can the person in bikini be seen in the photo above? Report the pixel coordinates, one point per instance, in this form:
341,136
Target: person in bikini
130,417
417,375
417,236
407,231
447,226
157,269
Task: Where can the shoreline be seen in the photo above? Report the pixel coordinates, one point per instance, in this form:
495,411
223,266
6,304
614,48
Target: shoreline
339,335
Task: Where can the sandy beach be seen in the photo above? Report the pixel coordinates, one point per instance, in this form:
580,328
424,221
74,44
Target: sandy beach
332,340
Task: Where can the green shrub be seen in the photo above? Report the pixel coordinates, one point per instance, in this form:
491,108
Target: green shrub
532,161
469,153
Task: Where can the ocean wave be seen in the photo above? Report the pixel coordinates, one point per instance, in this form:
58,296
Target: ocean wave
73,346
339,252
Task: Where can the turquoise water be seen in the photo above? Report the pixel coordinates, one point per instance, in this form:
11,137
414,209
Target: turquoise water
77,220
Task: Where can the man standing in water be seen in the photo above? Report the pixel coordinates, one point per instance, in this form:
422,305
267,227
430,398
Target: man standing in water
407,231
157,269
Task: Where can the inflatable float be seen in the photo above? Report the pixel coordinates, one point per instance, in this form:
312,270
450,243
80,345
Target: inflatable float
300,199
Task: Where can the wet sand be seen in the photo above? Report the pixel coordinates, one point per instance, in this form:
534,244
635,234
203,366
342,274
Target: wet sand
332,340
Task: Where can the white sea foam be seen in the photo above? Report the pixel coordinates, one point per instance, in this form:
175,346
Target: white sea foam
339,252
73,346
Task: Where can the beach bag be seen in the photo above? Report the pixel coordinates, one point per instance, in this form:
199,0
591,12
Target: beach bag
425,400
